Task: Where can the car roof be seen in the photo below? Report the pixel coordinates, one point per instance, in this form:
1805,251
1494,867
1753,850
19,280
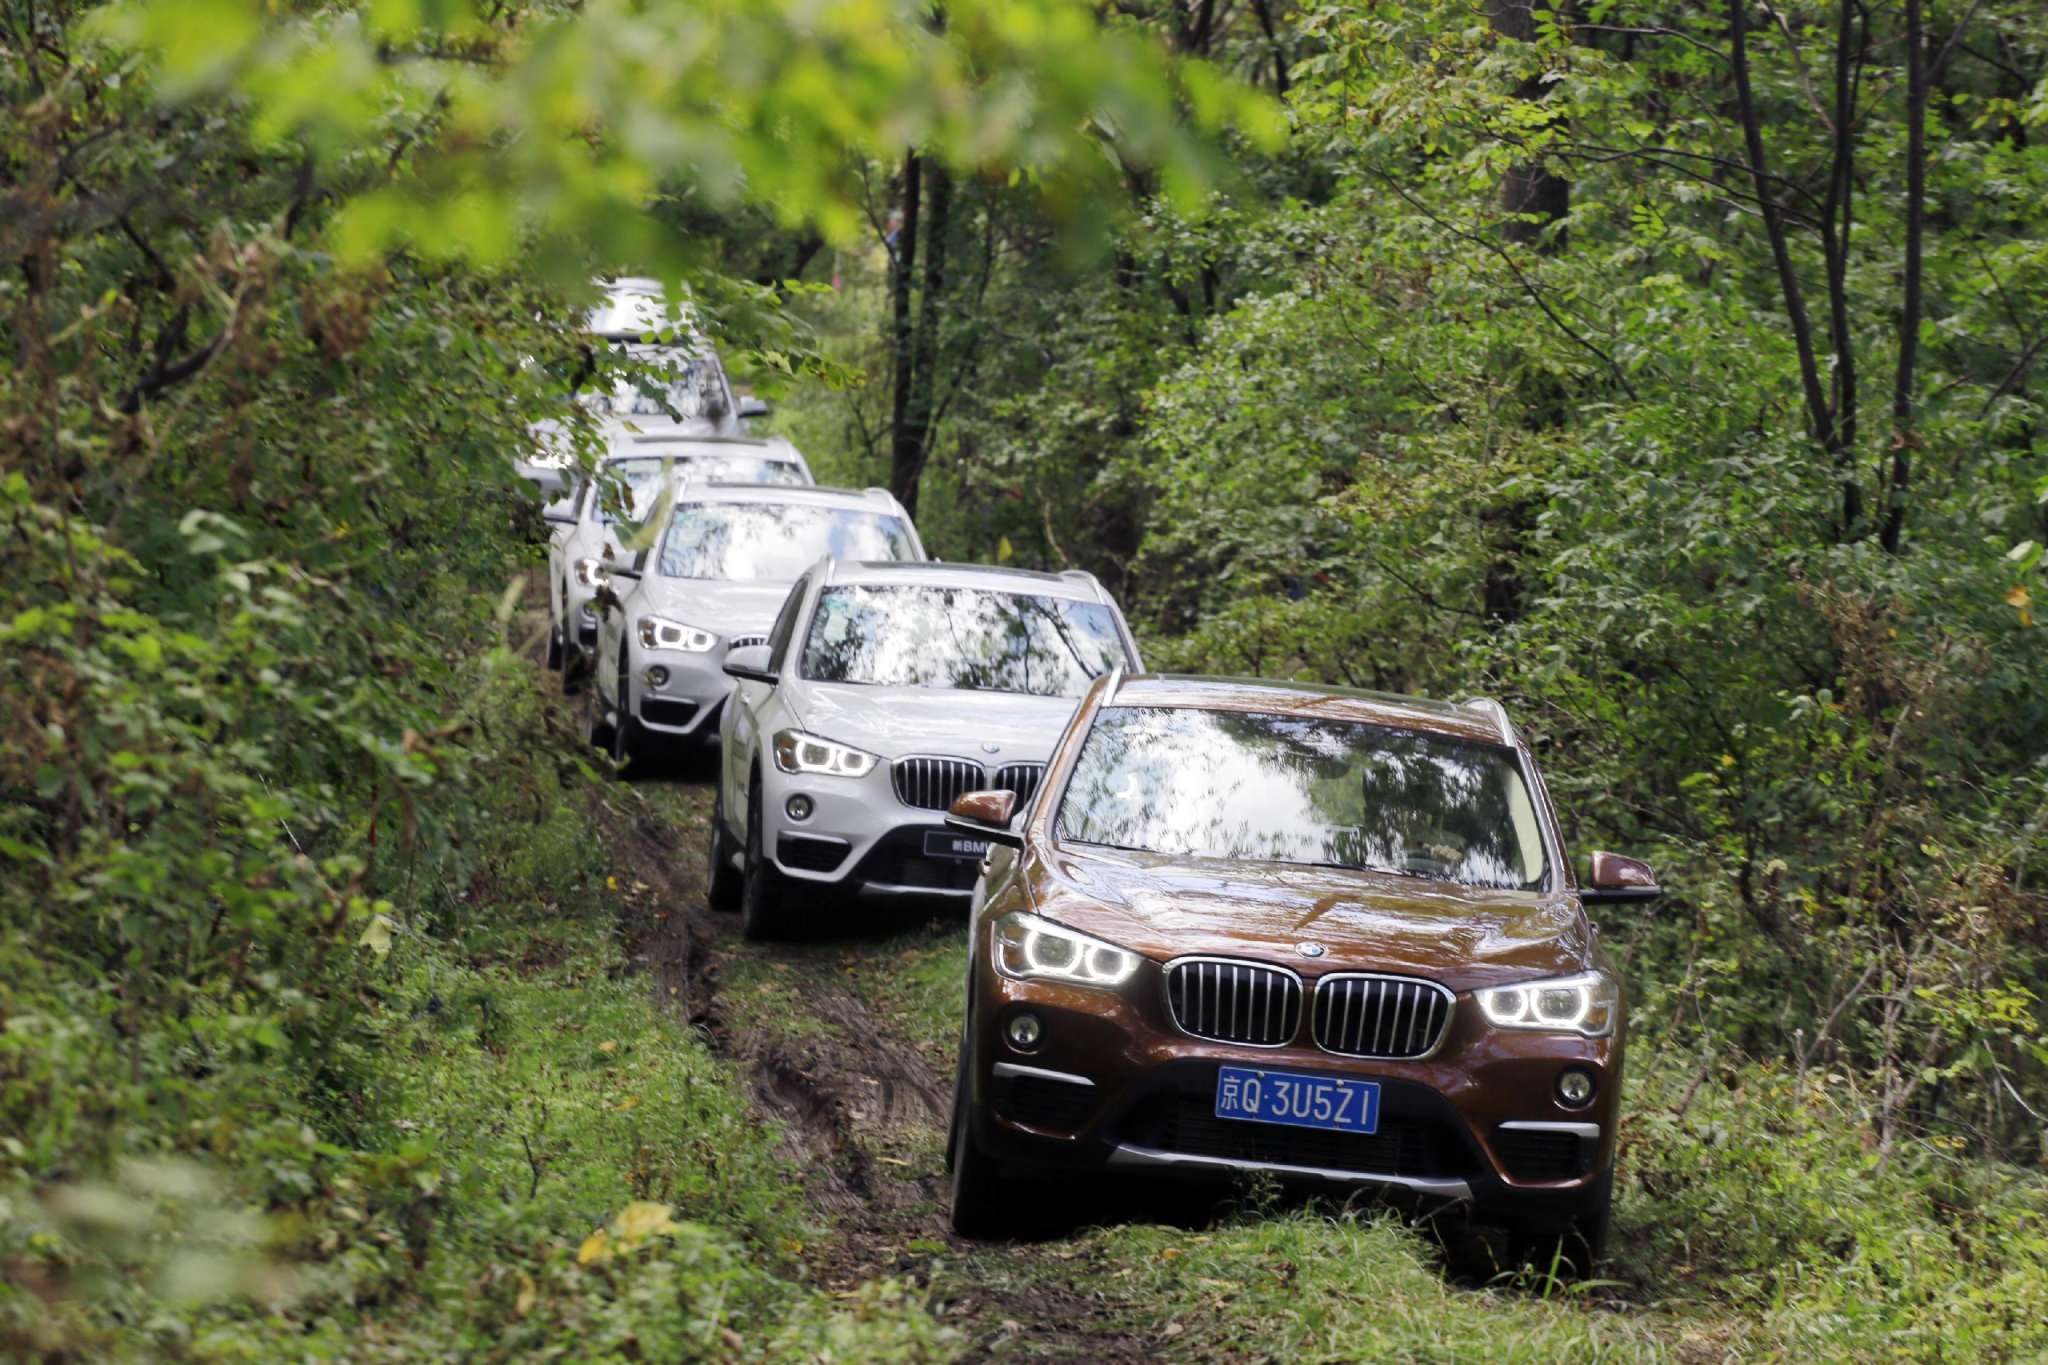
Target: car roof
864,499
1480,718
945,574
665,436
697,447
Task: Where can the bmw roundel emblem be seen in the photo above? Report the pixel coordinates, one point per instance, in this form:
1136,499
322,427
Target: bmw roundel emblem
990,747
1310,949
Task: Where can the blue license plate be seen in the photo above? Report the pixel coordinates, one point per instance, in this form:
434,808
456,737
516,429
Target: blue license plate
1290,1097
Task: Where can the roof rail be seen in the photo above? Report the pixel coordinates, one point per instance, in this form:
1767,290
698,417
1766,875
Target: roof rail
1116,680
1487,706
873,490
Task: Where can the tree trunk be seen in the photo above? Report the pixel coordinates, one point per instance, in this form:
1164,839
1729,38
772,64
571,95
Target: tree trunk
1819,415
1834,235
902,266
1528,189
911,441
1909,314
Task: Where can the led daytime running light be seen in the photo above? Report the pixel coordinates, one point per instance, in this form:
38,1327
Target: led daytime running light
658,632
1583,1004
797,752
1029,948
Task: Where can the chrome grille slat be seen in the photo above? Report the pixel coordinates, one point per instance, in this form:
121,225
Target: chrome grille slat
1397,1016
1021,778
1234,1001
933,782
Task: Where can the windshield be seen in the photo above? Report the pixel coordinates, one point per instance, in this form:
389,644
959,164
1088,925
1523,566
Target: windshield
1234,784
960,637
642,479
666,381
776,541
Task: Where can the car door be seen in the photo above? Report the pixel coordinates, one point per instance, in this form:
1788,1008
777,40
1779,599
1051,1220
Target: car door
754,704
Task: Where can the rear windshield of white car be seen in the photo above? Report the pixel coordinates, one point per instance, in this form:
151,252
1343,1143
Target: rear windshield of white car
1289,789
903,636
775,541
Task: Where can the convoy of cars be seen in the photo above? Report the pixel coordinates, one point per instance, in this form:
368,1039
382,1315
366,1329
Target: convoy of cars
1215,927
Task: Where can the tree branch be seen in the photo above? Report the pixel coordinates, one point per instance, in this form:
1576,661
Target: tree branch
1528,285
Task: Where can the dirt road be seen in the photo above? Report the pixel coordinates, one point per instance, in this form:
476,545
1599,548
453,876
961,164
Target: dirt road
862,1094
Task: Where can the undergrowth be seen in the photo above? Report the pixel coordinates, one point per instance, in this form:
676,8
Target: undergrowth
512,1152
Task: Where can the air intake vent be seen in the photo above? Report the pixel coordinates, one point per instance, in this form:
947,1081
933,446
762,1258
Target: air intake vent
1021,778
1380,1016
935,783
1234,1002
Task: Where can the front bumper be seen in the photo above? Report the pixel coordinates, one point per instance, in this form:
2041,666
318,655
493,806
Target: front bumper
859,837
688,700
1114,1085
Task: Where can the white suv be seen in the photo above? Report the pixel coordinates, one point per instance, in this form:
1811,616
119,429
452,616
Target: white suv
883,692
584,530
710,580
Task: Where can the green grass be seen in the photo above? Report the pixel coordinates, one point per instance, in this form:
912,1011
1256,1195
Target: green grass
516,1152
917,977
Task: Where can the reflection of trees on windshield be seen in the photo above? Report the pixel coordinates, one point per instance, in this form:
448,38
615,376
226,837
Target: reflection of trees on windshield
1229,784
775,541
960,637
666,381
638,482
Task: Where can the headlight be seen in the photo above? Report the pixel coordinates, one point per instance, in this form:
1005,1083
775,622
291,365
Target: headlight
1562,1004
590,572
797,752
1034,949
657,632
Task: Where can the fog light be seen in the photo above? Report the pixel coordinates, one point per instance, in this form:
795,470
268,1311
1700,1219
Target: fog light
1575,1088
656,676
799,807
1024,1032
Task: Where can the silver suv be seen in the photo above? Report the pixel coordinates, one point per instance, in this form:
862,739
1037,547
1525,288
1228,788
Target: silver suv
883,692
584,526
711,581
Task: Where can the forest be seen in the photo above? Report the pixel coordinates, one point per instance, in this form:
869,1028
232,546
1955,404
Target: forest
1673,373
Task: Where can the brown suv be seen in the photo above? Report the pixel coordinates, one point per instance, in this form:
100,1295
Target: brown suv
1323,934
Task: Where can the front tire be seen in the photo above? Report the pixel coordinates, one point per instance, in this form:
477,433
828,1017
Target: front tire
725,883
763,915
570,659
597,731
981,1207
628,739
1574,1247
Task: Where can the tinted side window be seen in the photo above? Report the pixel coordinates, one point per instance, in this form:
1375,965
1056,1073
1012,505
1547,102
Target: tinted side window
785,625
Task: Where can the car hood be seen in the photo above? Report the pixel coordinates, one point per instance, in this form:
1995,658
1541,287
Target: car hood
1167,906
725,607
894,721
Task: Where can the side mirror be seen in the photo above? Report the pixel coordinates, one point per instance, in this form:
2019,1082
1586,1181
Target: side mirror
751,406
986,815
615,567
1615,879
558,518
750,663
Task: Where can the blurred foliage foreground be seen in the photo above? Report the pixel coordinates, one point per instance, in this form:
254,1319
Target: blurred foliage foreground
1572,359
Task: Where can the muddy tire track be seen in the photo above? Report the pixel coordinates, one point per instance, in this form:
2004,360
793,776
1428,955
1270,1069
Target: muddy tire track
846,1090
